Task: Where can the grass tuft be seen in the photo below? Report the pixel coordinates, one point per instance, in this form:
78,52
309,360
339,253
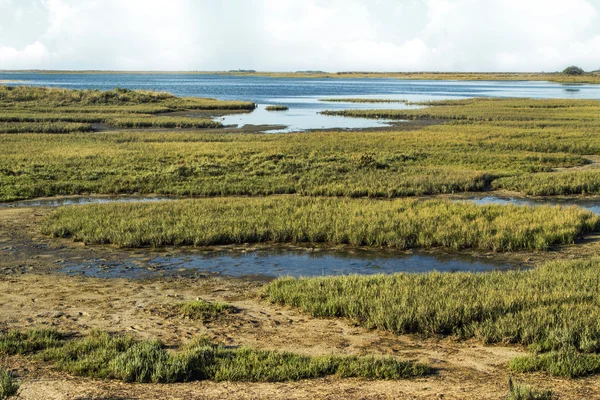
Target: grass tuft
276,108
523,392
9,386
203,310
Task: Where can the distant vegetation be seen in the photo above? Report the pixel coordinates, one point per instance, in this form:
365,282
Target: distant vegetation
43,110
552,309
573,70
276,108
400,223
460,76
362,100
101,355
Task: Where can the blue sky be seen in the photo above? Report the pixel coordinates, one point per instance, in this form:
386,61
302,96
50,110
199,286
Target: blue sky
289,35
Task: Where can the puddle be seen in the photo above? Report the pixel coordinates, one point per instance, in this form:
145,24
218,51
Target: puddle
81,200
590,205
281,262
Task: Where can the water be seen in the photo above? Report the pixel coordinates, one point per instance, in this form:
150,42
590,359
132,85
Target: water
302,95
81,200
277,263
592,205
587,204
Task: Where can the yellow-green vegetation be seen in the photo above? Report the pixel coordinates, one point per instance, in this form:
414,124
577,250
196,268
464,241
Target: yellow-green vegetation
362,100
101,355
523,392
204,310
276,108
9,385
552,309
514,144
42,110
393,223
590,77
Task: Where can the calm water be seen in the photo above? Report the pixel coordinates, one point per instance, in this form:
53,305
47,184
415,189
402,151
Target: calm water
590,205
276,263
81,200
302,95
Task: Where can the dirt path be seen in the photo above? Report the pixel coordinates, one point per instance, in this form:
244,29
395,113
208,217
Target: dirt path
31,294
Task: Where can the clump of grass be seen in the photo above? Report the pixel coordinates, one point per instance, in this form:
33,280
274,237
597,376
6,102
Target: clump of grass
523,392
398,223
9,385
33,340
204,310
101,355
552,309
568,363
164,122
44,127
276,108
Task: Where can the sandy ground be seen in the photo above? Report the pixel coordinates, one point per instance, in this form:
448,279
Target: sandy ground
33,294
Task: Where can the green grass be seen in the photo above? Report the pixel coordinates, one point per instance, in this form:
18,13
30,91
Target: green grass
523,392
552,309
399,224
43,110
204,310
568,363
101,355
276,108
15,342
9,386
164,122
513,144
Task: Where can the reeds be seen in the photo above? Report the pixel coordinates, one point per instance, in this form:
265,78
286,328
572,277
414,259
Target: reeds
399,224
552,309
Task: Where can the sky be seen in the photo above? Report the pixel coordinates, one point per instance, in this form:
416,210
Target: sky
291,35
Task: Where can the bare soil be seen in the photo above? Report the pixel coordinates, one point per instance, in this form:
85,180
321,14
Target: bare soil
32,294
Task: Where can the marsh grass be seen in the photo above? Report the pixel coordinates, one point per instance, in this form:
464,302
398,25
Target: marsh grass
523,392
204,310
44,110
552,309
101,355
16,342
399,224
9,385
511,144
276,108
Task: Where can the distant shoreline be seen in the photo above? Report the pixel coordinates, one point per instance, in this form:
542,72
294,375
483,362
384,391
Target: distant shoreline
593,77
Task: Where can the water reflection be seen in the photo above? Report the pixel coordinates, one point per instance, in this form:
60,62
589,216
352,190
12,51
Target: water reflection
282,262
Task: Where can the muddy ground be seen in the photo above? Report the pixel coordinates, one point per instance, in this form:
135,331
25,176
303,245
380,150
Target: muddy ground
32,294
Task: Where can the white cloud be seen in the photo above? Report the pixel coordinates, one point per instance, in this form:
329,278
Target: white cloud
33,54
461,35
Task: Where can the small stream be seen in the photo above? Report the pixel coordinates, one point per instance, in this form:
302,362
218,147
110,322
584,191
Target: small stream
272,263
280,262
590,205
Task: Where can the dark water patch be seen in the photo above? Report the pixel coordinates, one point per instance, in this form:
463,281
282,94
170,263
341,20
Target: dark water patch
280,262
592,205
81,200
